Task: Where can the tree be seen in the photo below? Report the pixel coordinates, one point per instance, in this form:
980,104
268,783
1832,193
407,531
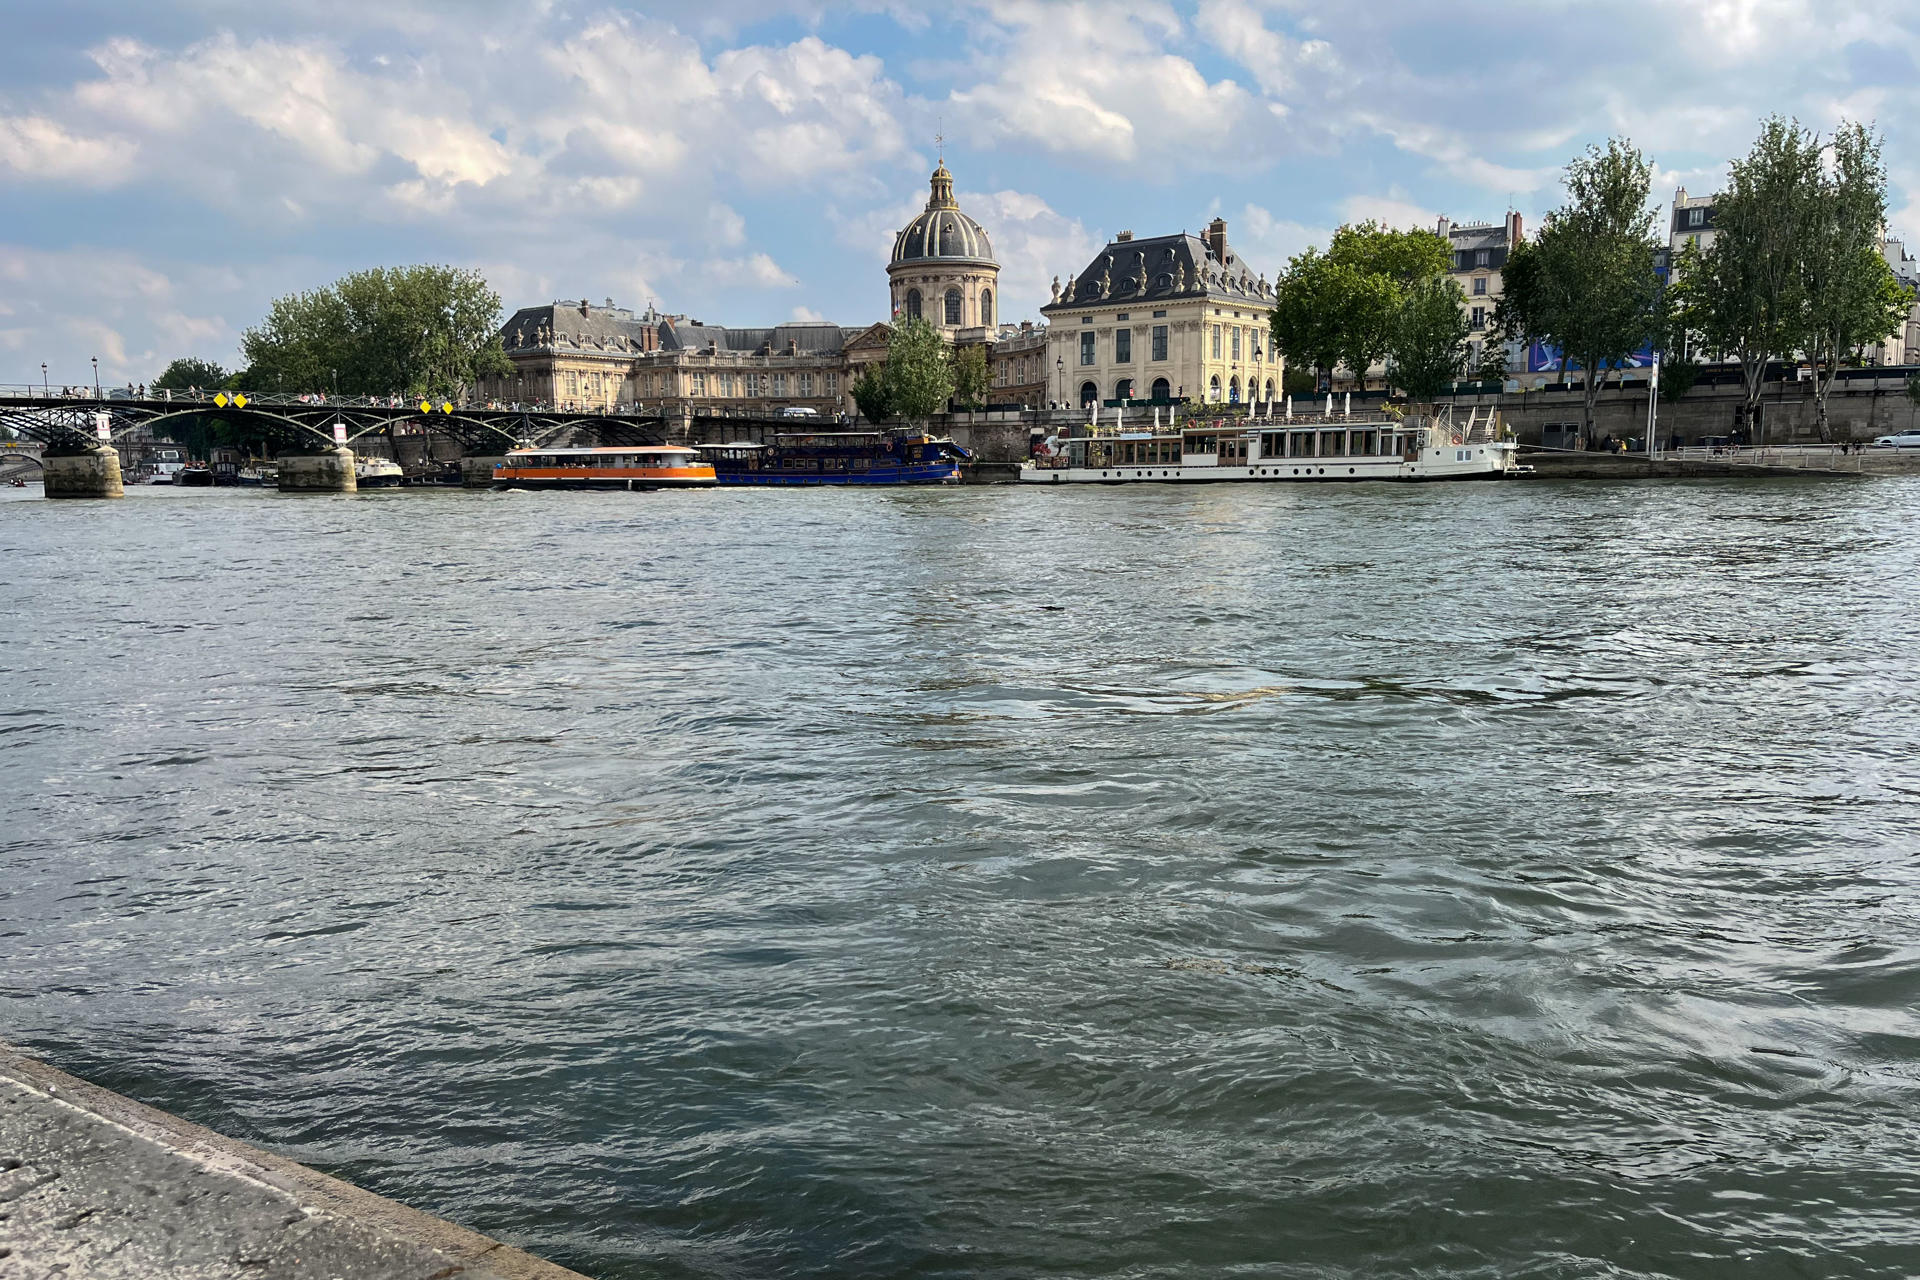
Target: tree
1304,320
1852,298
1428,343
188,372
1492,363
1343,307
918,379
422,330
872,395
1587,282
971,379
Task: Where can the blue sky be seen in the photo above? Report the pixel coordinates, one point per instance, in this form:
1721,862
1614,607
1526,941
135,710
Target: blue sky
166,169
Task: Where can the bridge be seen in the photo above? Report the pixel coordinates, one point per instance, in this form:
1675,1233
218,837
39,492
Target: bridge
314,434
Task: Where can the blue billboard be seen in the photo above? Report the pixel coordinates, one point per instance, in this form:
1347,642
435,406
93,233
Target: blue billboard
1542,358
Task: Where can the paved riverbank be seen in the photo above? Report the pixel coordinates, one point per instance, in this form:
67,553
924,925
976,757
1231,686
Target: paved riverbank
1815,459
99,1186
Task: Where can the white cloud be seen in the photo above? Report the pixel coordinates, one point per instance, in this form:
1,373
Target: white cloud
1394,210
39,149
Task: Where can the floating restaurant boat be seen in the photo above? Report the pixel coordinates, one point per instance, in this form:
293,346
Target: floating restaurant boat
838,457
659,466
377,473
1291,449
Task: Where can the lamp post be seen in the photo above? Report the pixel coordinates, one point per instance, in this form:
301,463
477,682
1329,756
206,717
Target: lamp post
1060,363
96,377
46,394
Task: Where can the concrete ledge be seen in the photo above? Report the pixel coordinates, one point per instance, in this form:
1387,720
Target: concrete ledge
330,472
96,1185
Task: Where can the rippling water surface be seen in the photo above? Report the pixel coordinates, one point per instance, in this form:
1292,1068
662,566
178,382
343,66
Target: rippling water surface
1474,881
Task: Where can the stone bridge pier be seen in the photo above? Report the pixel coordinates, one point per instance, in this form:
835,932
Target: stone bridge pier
327,472
90,473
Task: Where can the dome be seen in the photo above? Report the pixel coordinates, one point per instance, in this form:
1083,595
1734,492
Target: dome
942,233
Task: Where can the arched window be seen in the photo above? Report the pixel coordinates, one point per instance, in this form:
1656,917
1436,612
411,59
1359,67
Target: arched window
1233,391
1123,389
986,307
1089,393
953,307
913,304
1213,389
1161,390
1269,390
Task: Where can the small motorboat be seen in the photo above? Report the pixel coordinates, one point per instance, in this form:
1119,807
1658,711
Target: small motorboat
377,473
195,475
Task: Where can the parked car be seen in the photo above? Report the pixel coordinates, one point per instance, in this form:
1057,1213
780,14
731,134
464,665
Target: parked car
1908,439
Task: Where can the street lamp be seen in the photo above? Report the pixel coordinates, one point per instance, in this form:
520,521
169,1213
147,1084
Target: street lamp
96,377
1061,365
46,394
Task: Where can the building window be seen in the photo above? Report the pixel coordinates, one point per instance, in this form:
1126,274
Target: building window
1479,317
780,385
803,385
1159,315
699,384
1162,390
913,304
986,306
832,384
1216,342
1213,385
1479,286
1086,348
1159,342
1123,346
953,307
1481,257
1236,344
1089,393
1123,389
1696,217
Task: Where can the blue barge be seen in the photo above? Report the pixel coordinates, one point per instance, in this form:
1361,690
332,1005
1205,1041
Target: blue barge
837,457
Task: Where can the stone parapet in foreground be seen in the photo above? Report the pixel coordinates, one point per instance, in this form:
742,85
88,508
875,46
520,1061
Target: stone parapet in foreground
96,1185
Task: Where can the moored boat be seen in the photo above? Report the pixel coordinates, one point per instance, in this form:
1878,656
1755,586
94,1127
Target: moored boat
838,457
194,475
658,466
377,473
1295,450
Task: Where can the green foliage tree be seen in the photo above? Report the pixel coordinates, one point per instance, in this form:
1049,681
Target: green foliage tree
1677,378
1428,344
872,395
1343,307
1587,283
918,376
421,330
1491,367
971,378
1852,297
188,372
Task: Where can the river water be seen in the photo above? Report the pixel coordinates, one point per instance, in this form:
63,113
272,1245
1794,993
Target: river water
1454,881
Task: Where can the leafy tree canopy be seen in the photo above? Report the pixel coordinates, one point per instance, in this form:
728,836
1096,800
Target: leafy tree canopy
1428,342
971,378
421,330
918,377
188,371
872,395
1343,307
1587,283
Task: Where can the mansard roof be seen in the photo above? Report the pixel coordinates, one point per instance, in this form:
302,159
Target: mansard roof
1158,268
813,338
578,324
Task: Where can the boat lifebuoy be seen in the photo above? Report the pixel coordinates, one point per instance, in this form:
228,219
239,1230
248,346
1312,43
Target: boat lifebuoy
886,446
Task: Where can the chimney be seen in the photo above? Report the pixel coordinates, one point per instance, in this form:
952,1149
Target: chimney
1124,236
583,304
1217,240
1514,229
1445,227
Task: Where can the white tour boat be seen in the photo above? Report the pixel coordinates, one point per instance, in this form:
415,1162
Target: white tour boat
1293,448
375,472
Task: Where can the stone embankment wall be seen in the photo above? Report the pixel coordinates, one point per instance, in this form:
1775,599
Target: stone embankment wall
1856,411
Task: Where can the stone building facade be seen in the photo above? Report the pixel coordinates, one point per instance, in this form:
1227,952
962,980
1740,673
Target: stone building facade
572,355
1162,320
1479,252
943,270
750,372
1018,364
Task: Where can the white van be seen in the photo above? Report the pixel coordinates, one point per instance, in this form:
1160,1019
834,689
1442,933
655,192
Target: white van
795,411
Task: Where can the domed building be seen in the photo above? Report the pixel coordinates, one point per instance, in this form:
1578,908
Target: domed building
943,269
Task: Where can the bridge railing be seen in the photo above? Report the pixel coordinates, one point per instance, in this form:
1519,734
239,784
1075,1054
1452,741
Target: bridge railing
84,397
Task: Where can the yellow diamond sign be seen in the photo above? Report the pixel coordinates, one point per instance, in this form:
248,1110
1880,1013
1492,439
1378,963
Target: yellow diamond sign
446,406
239,400
221,399
425,407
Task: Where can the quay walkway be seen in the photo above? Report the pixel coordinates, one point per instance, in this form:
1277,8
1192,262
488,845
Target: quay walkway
1810,459
97,1186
